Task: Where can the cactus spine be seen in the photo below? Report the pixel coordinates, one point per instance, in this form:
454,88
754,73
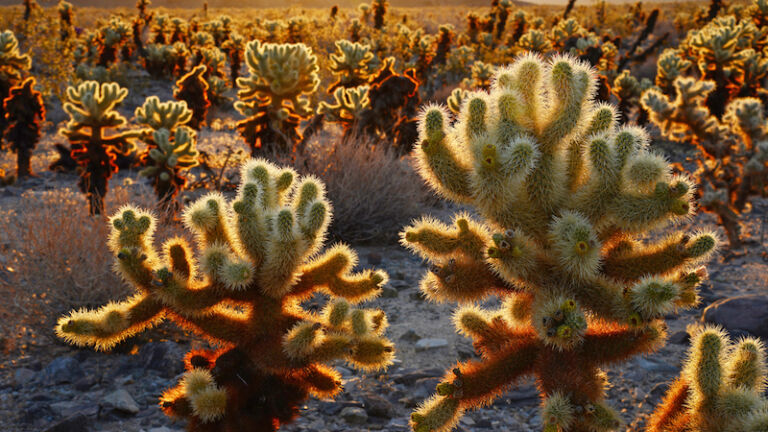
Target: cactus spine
562,194
259,257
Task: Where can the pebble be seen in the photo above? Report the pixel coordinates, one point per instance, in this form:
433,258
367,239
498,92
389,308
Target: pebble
431,344
121,400
354,415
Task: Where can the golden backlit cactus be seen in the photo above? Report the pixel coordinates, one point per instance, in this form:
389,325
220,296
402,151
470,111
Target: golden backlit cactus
275,97
563,196
93,134
721,388
257,257
733,152
351,64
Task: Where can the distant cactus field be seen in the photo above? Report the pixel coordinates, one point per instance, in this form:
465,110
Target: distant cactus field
470,216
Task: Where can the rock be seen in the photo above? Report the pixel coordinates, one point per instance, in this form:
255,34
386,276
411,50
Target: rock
410,336
74,423
417,296
62,370
122,401
431,344
165,357
354,415
389,292
374,258
161,429
740,315
23,376
679,337
652,365
375,405
408,378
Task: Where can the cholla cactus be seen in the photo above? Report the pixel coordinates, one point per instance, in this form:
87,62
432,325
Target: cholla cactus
13,65
158,60
275,97
733,152
156,115
349,108
535,41
481,75
628,91
563,197
351,64
456,100
66,14
111,39
444,40
24,111
173,153
92,136
379,8
720,389
234,47
192,88
259,257
671,64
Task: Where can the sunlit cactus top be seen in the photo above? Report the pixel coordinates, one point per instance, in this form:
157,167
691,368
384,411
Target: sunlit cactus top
279,73
12,62
158,115
563,195
721,388
257,258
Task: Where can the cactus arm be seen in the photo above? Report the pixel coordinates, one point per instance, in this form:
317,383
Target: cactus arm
331,272
676,252
437,161
671,411
634,212
105,327
606,344
462,279
431,238
474,383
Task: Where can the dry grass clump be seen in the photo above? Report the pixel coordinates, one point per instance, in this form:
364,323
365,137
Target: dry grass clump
55,258
374,192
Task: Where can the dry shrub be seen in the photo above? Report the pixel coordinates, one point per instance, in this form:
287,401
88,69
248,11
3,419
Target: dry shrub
374,193
56,259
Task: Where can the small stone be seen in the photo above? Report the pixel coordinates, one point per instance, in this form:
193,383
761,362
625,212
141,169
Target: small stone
23,375
62,370
121,400
354,415
431,344
165,357
679,337
376,406
389,292
743,315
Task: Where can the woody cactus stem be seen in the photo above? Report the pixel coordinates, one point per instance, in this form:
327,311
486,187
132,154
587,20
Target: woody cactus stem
24,113
259,257
94,141
721,388
563,195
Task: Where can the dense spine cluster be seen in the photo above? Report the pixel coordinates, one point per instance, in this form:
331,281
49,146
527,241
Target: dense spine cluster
257,257
562,195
